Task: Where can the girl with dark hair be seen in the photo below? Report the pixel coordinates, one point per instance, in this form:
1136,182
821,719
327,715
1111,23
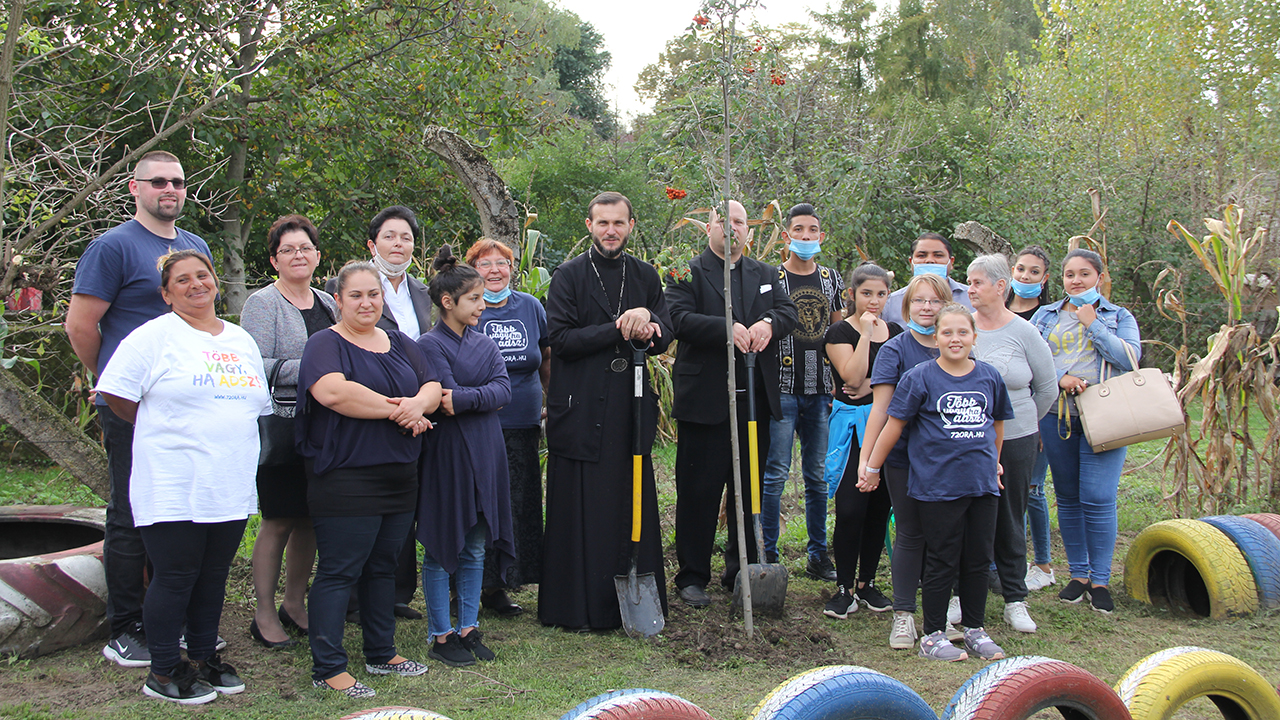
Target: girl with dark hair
464,504
1030,282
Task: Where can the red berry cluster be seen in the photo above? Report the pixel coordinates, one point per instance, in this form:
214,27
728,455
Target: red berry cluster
674,194
778,79
701,20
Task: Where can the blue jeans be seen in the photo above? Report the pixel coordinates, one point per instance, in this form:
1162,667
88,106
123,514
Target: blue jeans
805,415
1038,510
358,552
469,577
1086,484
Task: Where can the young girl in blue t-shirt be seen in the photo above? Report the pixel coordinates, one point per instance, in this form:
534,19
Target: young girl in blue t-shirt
954,411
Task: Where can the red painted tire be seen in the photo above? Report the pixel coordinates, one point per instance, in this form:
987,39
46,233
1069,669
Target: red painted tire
1019,687
1270,521
394,713
637,704
53,590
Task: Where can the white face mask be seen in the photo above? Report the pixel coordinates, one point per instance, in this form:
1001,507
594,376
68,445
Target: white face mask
391,270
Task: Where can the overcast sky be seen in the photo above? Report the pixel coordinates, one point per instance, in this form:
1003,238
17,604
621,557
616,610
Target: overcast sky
636,32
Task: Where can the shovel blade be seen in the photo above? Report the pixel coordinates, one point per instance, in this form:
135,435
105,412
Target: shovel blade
639,603
768,588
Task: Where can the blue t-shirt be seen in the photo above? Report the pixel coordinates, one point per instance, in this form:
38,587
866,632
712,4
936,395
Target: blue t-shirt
520,330
119,266
898,355
953,433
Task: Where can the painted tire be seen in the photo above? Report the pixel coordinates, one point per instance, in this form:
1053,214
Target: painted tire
1161,683
842,691
1270,521
636,704
53,590
394,713
1019,687
1190,566
1261,550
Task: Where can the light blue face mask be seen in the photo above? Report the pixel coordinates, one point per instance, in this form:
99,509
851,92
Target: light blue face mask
912,324
806,249
497,297
1088,297
1027,290
934,268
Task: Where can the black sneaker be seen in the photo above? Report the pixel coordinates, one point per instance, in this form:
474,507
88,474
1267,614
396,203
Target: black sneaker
219,644
128,649
451,652
220,676
821,569
841,605
1074,592
1100,599
872,598
472,641
184,687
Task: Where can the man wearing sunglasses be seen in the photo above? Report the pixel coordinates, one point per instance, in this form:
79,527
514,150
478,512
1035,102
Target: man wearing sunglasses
116,289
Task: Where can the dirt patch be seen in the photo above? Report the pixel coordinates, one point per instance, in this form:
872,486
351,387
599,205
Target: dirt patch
703,638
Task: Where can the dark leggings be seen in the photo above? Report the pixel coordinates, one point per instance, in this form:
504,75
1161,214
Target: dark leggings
861,519
191,562
959,534
908,542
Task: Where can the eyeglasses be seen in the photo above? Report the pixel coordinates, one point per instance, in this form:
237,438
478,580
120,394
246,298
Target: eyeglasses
921,302
488,264
160,183
288,252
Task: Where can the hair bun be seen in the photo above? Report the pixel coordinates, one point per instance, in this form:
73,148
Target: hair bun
445,259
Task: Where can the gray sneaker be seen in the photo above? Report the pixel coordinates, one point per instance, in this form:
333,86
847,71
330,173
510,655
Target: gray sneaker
128,649
903,634
979,643
938,647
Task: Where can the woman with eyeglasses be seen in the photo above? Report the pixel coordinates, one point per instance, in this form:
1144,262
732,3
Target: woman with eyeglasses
517,322
280,317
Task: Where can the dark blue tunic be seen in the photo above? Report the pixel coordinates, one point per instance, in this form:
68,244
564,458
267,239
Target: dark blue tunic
464,465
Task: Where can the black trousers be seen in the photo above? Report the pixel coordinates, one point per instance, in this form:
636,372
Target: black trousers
908,539
704,468
958,537
1018,458
124,557
861,520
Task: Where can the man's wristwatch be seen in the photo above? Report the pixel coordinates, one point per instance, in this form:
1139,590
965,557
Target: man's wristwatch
767,319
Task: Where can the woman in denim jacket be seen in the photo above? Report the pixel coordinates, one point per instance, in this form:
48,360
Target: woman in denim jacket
1085,330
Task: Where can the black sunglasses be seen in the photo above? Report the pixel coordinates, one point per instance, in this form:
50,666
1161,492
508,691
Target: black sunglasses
160,183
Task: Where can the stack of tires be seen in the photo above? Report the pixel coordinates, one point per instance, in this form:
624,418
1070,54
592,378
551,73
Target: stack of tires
1218,567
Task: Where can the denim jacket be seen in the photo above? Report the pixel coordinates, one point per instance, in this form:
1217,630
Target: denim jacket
1114,328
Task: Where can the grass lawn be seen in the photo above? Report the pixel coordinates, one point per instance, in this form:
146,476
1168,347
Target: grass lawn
703,656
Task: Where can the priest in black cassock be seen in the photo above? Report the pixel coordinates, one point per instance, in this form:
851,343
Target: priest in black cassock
598,302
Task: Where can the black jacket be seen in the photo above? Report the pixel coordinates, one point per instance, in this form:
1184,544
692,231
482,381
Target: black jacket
697,311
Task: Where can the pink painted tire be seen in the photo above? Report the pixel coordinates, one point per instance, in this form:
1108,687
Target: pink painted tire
394,713
1019,687
53,590
636,704
1270,521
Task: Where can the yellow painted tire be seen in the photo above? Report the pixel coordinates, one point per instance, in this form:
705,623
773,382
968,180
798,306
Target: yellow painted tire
1159,684
1190,566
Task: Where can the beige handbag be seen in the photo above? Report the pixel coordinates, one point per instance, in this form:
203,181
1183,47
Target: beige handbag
1130,408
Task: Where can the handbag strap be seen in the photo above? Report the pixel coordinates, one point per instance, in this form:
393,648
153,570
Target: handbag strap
1064,417
271,385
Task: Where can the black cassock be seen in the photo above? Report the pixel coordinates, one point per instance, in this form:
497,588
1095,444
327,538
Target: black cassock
587,540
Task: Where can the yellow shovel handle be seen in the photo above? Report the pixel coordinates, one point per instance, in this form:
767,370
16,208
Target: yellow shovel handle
753,446
635,497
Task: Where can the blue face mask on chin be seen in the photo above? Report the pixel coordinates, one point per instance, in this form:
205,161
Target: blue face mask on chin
1088,297
1027,290
497,297
912,324
806,249
924,268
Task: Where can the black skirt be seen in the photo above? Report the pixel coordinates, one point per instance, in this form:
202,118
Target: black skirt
282,491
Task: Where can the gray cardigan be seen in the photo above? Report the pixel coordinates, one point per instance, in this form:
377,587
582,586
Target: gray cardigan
276,325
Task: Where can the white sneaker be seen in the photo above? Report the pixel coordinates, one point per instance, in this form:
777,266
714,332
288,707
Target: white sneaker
953,633
903,634
954,615
1015,613
1038,579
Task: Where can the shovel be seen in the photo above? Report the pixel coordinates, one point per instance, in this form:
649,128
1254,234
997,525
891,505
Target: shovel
638,594
768,580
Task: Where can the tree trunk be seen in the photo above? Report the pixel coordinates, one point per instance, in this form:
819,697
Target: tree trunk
235,229
982,238
499,216
59,438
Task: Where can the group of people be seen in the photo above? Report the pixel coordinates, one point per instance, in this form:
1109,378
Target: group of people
417,413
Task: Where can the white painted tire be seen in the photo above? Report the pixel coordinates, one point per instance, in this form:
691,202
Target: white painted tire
1162,682
51,599
393,712
1019,687
636,704
844,692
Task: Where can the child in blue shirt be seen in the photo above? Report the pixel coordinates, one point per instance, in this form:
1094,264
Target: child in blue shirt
953,410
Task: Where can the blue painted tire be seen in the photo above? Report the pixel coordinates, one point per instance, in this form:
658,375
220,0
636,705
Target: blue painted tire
846,692
1261,549
637,704
1020,687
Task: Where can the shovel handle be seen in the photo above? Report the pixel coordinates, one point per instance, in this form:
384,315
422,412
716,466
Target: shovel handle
635,497
638,349
753,438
